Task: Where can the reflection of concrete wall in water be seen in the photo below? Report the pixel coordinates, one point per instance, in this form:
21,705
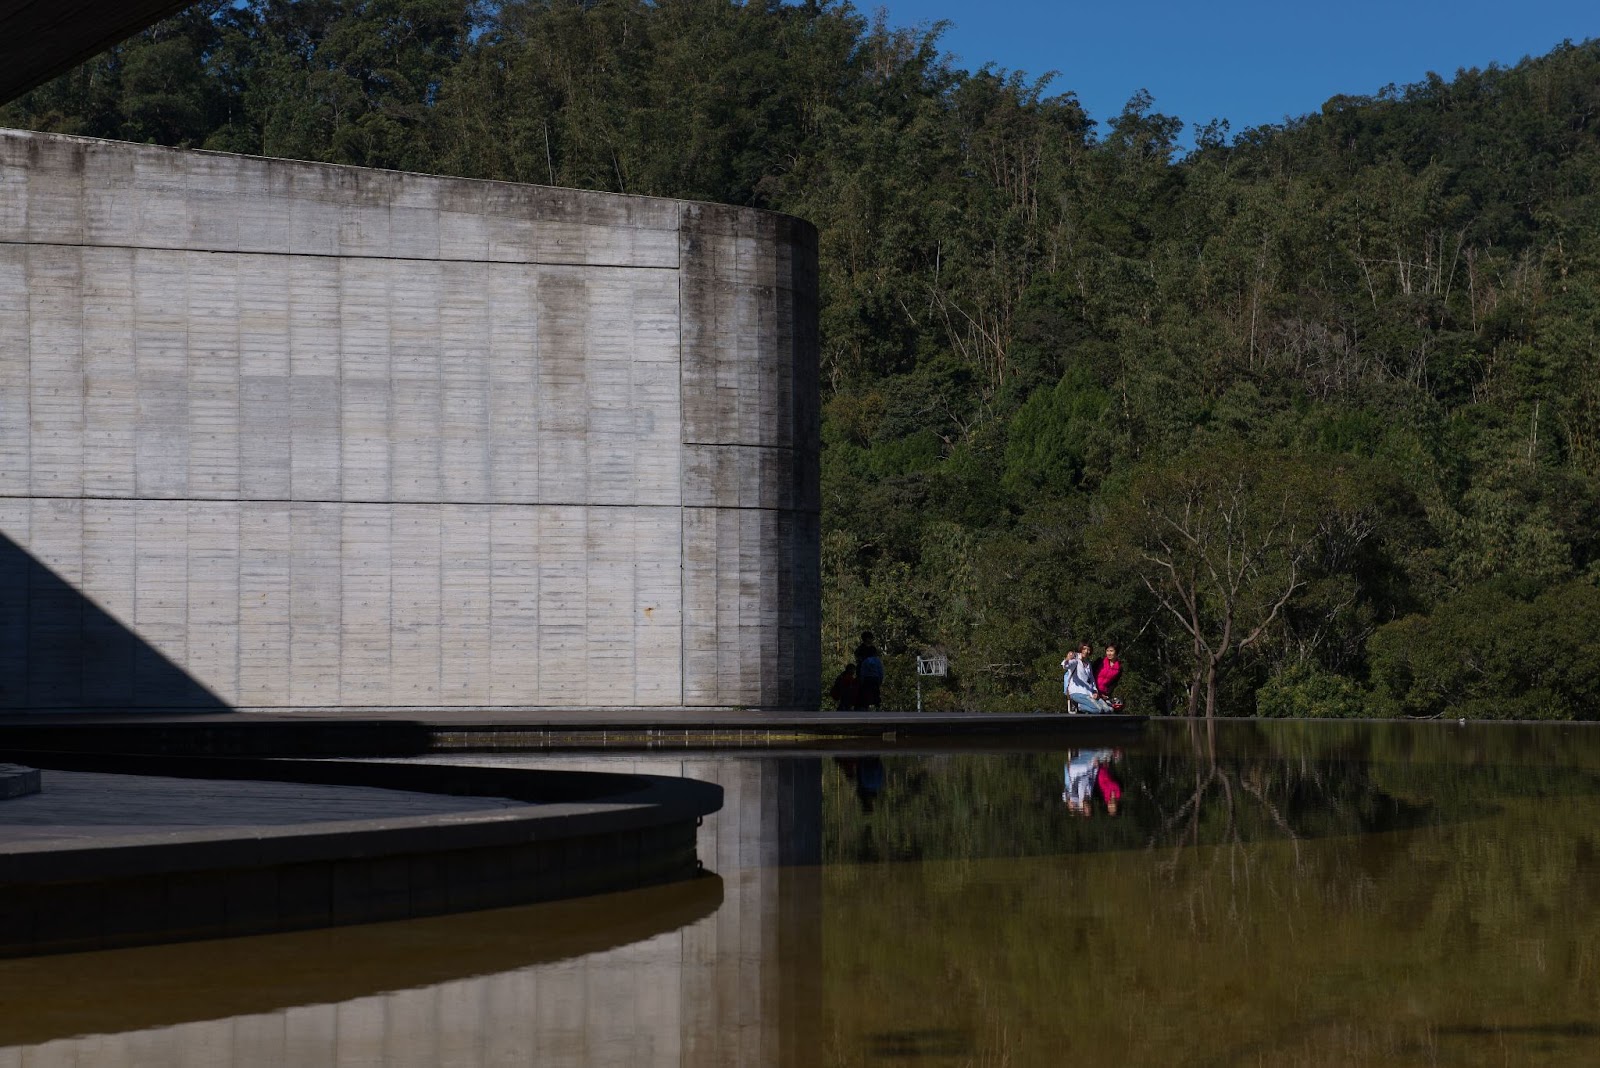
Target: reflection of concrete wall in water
739,988
620,1007
755,995
329,437
751,977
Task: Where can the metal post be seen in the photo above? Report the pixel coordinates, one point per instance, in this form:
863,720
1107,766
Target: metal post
935,664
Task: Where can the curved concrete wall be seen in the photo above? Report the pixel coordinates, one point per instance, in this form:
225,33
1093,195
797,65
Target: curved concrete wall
280,434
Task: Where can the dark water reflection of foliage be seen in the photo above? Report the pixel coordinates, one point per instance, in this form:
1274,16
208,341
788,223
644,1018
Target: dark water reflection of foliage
1383,894
1238,783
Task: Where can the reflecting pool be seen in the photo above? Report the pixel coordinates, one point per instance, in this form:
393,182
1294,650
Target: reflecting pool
1283,894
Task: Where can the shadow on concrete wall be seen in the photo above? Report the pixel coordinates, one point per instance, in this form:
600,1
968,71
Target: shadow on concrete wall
60,652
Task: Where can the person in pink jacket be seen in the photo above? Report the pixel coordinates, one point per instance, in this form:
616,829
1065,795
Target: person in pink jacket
1107,671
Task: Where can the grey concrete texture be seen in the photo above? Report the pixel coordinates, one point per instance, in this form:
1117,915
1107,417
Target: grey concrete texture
18,781
305,436
224,901
83,807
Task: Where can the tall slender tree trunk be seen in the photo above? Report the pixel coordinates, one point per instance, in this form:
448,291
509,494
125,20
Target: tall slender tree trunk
1194,683
1211,690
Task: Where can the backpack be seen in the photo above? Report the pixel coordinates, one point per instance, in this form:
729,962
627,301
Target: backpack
871,668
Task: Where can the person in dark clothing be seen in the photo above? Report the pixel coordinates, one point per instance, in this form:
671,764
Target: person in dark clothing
869,673
845,689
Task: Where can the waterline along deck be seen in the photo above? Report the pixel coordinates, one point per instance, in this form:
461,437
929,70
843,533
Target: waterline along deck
410,731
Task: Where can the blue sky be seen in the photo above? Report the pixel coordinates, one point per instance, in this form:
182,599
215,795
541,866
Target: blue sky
1248,61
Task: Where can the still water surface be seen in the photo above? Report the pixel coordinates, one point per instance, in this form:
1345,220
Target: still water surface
1270,894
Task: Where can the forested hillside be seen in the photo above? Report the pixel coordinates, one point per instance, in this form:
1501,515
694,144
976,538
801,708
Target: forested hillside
1306,420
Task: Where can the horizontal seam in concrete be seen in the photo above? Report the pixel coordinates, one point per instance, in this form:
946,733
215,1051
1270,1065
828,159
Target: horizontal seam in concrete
739,445
749,508
477,260
418,504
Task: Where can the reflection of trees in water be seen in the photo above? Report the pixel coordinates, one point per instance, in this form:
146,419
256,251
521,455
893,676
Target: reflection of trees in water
1194,784
1009,805
1297,933
1198,797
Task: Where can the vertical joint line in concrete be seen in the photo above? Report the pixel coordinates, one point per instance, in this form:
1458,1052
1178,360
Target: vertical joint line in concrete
343,514
241,512
683,562
443,490
438,541
27,404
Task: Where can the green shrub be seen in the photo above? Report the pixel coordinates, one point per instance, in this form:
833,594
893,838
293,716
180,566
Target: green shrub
1305,691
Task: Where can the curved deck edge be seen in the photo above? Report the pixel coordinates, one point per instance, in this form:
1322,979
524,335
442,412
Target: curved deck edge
581,833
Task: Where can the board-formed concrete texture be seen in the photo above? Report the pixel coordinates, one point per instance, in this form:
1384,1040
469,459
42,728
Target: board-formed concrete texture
290,435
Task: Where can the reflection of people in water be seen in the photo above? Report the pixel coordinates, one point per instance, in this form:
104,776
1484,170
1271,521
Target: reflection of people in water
1088,771
1079,776
1110,788
867,775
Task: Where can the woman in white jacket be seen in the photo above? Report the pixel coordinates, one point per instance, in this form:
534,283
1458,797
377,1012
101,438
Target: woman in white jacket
1079,684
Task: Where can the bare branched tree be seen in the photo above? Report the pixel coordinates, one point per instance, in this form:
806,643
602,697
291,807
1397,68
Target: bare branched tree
1225,543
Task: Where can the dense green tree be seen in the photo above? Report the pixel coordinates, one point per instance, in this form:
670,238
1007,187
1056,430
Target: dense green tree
1496,653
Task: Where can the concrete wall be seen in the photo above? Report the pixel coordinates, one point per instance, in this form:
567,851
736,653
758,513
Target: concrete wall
319,436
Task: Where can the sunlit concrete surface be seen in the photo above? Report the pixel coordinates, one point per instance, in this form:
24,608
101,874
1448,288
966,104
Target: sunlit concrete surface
286,435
